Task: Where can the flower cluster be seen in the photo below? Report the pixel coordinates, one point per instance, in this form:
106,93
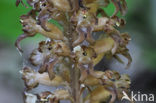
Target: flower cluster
69,56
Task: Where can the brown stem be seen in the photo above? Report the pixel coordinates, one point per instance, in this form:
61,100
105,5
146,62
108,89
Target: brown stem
75,5
74,71
75,84
74,75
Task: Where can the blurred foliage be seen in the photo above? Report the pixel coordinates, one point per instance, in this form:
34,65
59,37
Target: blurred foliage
9,19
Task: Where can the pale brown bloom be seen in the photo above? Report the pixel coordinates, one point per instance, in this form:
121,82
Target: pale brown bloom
68,58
